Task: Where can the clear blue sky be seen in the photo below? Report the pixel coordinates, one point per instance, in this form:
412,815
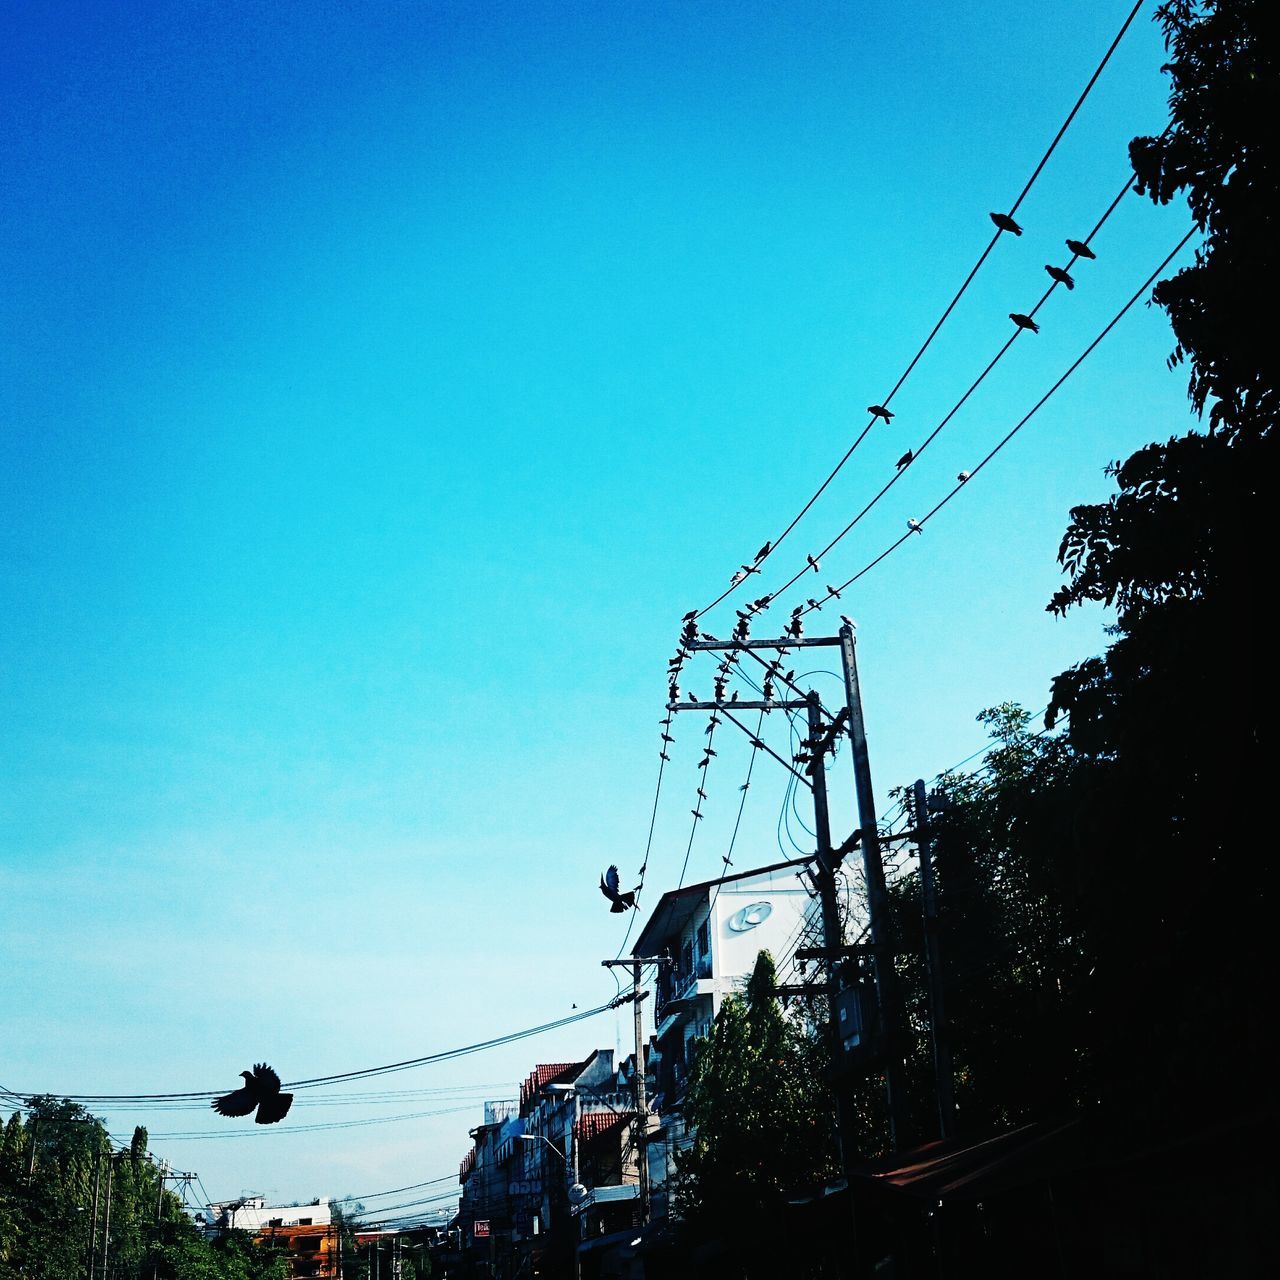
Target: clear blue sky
379,384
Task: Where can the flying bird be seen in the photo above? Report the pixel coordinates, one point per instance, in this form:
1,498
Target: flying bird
261,1090
609,887
1006,223
1080,249
879,411
904,460
813,564
914,525
963,476
1024,322
1058,274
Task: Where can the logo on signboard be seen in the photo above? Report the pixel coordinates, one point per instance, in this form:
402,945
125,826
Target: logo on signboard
481,1227
750,916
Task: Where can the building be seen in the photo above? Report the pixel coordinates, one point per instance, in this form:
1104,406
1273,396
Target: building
306,1233
712,933
552,1179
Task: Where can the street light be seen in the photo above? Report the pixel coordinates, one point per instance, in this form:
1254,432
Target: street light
576,1191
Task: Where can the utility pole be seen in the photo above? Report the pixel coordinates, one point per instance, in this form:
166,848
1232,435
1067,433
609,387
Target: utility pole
636,965
93,1217
106,1224
155,1266
877,893
829,858
826,883
942,1072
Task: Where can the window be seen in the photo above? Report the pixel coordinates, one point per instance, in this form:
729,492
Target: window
304,1222
704,937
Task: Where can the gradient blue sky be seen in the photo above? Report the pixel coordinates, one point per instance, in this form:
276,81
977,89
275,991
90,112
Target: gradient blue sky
380,383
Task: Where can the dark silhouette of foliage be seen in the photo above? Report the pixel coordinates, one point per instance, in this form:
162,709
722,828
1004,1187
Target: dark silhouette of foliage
761,1117
47,1166
1173,723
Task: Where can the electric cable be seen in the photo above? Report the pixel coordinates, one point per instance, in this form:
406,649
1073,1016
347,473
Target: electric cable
772,546
919,524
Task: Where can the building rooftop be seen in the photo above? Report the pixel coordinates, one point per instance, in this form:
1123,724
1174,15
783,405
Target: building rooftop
677,905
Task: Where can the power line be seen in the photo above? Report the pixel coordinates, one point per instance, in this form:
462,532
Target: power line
742,804
260,1131
919,524
395,1191
364,1073
913,455
772,546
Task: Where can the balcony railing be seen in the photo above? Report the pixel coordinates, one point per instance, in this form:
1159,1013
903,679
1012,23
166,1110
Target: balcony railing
675,985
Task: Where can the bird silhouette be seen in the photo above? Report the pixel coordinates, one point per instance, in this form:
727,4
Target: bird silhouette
1005,223
1024,322
1080,249
963,476
737,578
904,460
261,1090
813,564
689,617
879,411
1058,274
764,551
609,887
914,525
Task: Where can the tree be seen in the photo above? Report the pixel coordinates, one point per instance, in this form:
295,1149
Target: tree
760,1115
48,1162
1174,890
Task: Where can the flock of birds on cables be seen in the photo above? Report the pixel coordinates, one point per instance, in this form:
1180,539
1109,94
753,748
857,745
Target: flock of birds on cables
610,883
880,413
262,1096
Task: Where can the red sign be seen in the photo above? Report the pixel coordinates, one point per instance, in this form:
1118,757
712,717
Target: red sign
480,1227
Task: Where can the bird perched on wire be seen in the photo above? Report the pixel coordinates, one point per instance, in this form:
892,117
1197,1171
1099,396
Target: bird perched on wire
914,525
832,592
905,460
609,887
879,411
1024,322
1005,223
963,476
1080,249
813,564
764,551
260,1091
737,578
1061,276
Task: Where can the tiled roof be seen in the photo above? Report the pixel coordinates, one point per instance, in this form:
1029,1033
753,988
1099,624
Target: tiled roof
596,1123
543,1074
